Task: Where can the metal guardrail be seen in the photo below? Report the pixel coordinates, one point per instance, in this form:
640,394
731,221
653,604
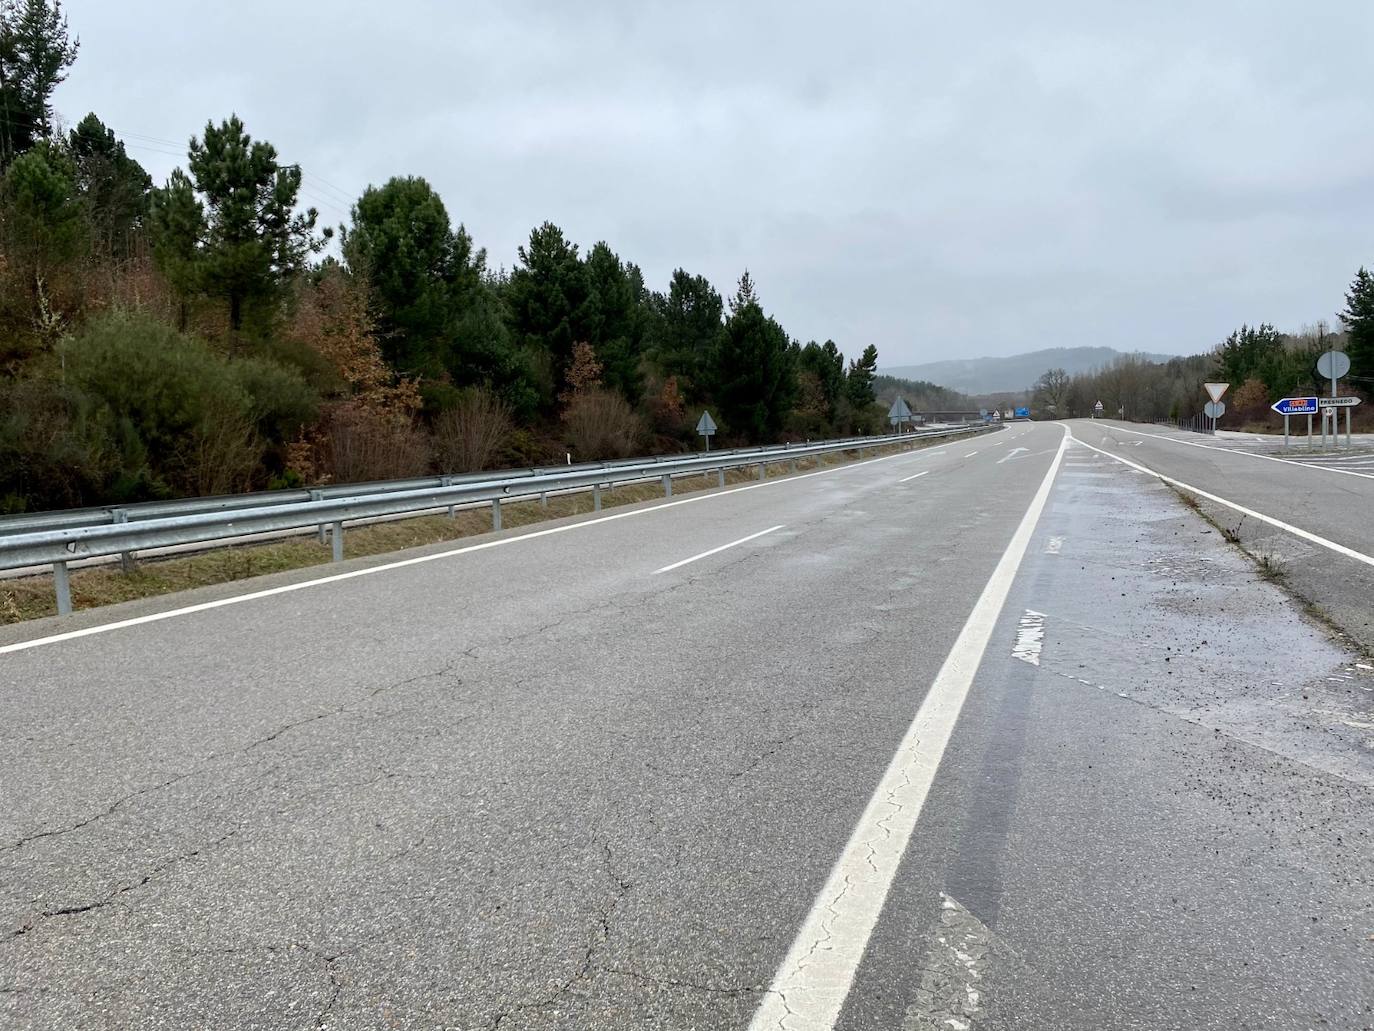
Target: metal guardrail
1196,424
57,538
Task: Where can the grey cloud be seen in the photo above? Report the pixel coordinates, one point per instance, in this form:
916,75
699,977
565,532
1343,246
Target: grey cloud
939,181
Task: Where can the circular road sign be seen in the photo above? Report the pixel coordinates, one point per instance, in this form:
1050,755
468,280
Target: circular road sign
1214,409
1333,365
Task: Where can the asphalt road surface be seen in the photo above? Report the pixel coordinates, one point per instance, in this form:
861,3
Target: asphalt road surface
993,735
1318,534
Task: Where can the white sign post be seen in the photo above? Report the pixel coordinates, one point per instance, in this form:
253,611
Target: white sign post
1333,365
1214,411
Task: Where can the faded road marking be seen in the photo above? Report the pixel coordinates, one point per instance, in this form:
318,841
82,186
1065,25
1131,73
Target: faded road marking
1030,634
950,996
1055,545
812,982
913,476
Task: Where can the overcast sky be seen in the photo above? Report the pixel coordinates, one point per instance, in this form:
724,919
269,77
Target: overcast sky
942,180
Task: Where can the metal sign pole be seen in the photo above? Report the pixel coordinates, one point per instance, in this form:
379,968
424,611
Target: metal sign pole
1285,433
1347,427
1335,424
1309,431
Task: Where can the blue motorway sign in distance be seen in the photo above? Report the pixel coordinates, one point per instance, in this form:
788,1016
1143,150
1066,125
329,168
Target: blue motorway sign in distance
1295,406
1023,413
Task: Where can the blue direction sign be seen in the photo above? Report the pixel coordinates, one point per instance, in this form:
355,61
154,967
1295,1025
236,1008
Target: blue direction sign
1295,406
1023,413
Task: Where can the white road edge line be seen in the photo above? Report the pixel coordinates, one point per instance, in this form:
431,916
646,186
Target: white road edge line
914,476
717,551
809,989
1297,531
1248,454
186,610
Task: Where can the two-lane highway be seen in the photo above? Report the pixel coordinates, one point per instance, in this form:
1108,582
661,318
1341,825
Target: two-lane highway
941,736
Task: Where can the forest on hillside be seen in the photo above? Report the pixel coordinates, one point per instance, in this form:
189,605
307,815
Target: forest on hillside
205,335
1260,363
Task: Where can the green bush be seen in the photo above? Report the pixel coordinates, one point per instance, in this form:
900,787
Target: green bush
185,419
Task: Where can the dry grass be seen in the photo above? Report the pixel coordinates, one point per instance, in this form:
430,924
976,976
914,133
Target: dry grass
32,597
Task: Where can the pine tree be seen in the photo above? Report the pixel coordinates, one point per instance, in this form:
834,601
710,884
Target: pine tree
36,50
756,370
547,297
115,188
1358,319
229,230
422,272
858,384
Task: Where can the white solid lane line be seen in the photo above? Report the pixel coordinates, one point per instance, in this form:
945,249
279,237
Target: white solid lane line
913,476
501,542
717,551
1238,451
810,987
1297,531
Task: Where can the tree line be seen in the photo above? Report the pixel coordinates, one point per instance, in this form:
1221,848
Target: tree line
1260,363
210,335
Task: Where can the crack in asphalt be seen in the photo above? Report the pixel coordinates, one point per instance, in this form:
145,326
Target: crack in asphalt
76,909
212,761
601,934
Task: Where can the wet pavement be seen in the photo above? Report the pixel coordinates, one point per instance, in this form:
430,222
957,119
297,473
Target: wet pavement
1158,807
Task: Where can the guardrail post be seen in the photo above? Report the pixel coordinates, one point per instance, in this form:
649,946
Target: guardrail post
667,486
761,471
543,499
496,513
596,497
336,538
318,495
126,558
62,584
721,472
447,481
794,465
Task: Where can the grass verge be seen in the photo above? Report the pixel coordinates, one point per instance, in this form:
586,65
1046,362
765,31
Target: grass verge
32,597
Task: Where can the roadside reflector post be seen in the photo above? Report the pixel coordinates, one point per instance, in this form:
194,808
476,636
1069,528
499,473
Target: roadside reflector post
336,538
543,499
596,497
761,472
721,473
667,486
62,584
496,513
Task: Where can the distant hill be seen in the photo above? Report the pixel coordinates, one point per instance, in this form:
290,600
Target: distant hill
1011,373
